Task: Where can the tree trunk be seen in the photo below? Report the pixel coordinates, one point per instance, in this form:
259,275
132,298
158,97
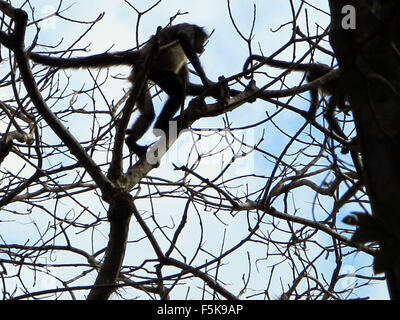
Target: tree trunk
369,59
119,215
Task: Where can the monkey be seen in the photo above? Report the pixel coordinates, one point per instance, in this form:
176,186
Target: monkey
5,148
313,72
169,71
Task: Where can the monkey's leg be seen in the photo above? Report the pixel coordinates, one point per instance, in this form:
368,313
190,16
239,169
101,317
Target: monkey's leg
314,104
330,116
141,125
175,87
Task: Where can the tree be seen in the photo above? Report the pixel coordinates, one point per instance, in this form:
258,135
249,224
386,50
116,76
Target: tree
250,207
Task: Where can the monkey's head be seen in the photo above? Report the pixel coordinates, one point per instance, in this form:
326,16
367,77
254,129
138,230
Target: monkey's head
201,37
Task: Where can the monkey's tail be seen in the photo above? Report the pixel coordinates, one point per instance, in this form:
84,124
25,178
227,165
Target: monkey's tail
98,60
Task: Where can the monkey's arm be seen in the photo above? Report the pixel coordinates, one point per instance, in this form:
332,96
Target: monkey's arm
197,90
318,69
99,60
187,46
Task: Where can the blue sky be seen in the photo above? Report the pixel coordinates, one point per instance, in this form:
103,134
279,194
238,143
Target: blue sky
224,55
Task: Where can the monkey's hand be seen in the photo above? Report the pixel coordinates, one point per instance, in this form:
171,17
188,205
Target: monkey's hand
219,90
207,83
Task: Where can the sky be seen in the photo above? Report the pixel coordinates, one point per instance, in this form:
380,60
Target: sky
224,55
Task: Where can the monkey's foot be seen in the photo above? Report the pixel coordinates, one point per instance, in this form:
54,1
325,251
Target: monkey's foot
135,148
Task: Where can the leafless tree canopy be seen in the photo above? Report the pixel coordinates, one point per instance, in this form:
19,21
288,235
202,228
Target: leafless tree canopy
247,204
